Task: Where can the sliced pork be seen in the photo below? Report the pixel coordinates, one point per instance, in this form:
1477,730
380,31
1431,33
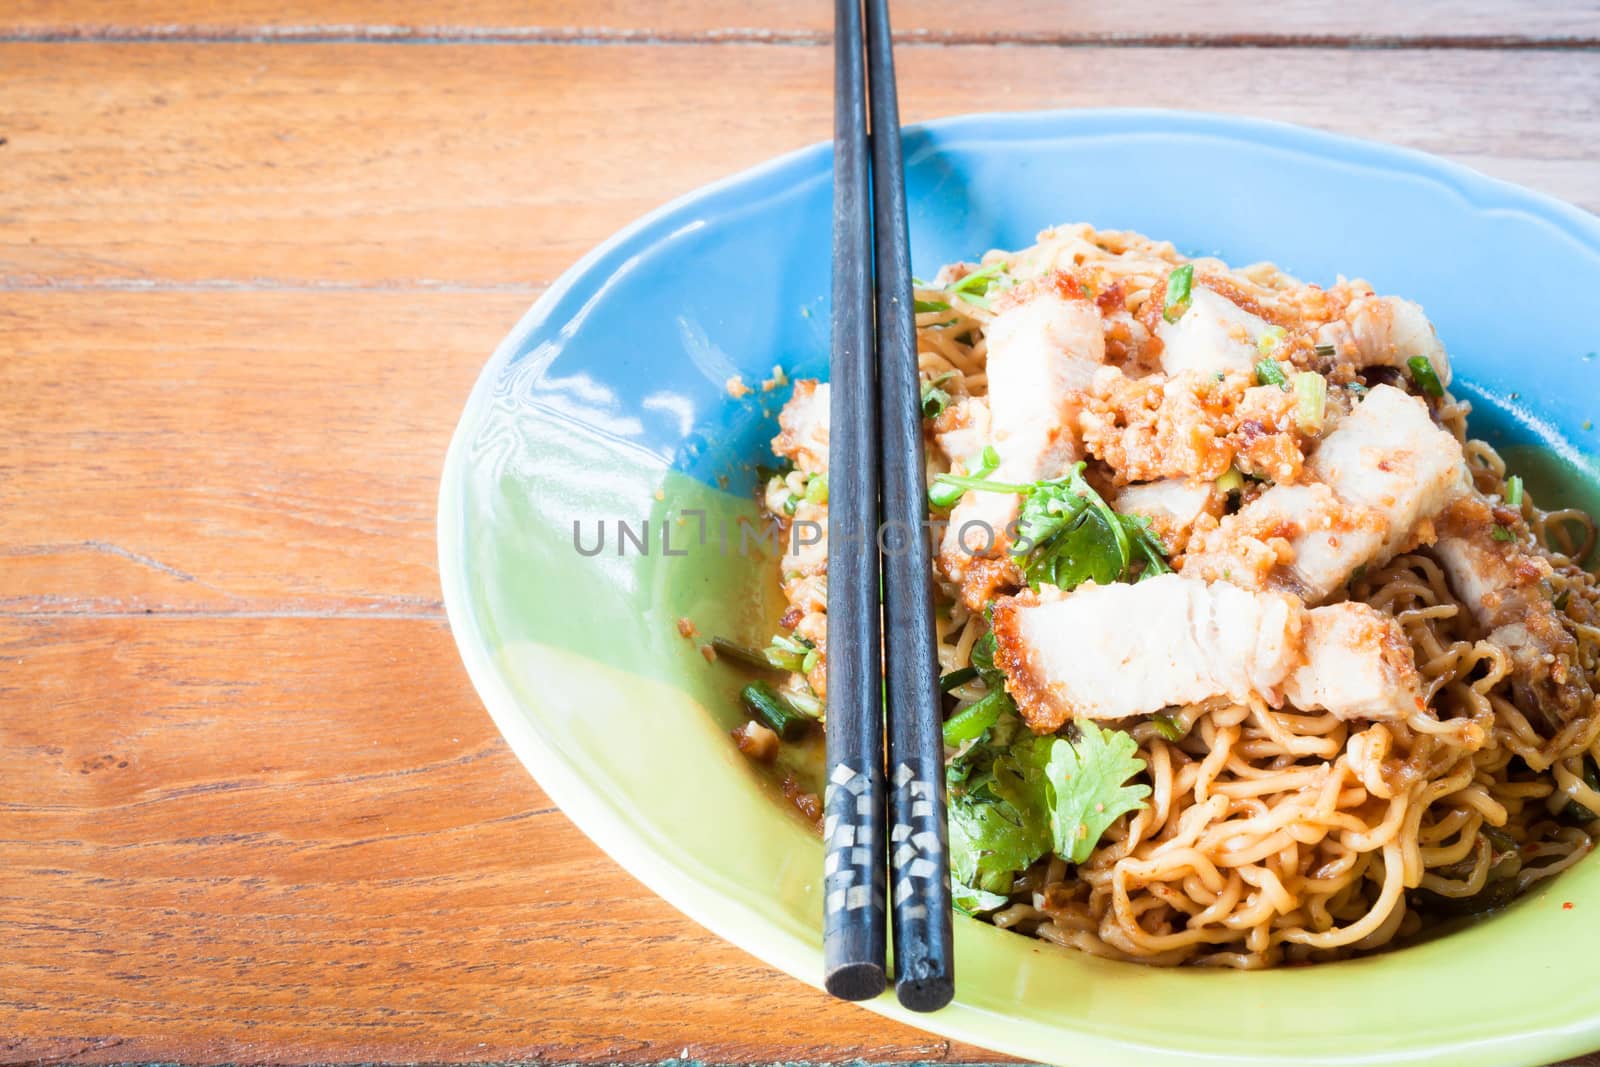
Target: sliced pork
1385,331
1506,585
1043,352
1377,481
1214,335
1109,652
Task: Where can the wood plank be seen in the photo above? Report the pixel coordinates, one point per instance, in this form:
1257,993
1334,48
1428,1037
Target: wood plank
232,451
367,165
1476,21
291,841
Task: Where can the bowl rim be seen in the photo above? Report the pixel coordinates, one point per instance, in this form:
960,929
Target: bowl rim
725,914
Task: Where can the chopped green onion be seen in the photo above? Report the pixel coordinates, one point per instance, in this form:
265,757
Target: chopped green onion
817,489
1269,373
804,703
958,677
790,502
1326,350
1562,598
970,722
1180,284
934,401
1311,399
975,287
1231,481
1269,339
1168,727
1514,491
787,653
808,662
1425,376
743,654
930,305
1356,387
943,495
1501,533
763,702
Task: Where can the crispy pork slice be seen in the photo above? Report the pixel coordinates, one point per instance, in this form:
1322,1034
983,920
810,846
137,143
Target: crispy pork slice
803,423
1109,652
1358,665
1042,354
1213,335
1507,588
1385,331
1173,506
1379,479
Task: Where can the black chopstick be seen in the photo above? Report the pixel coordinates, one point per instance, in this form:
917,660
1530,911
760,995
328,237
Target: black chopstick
919,871
856,865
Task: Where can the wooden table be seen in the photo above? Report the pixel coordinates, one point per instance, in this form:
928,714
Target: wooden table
252,257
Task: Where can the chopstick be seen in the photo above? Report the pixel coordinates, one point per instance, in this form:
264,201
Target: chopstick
856,868
918,849
870,207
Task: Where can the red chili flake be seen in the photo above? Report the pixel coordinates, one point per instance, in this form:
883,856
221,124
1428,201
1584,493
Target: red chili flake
1566,905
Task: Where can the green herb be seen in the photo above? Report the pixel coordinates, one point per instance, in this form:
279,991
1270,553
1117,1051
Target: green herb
790,503
763,702
957,678
1168,727
982,655
935,399
1356,387
1269,339
1087,781
1311,399
1501,533
788,653
1067,534
1425,376
976,287
1180,284
975,901
1326,350
1359,573
1562,598
1014,798
930,305
971,722
943,494
817,489
1269,373
1231,481
1514,491
809,662
743,654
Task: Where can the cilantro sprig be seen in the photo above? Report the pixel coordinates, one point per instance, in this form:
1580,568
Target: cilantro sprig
1015,798
1067,534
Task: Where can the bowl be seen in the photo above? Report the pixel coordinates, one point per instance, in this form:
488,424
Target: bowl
594,488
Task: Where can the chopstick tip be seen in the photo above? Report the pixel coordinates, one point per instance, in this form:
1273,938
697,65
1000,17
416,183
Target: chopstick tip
856,981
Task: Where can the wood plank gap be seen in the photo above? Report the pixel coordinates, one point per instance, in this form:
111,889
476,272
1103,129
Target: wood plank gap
36,284
547,35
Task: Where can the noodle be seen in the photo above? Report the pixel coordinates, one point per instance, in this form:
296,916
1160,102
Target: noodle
1272,836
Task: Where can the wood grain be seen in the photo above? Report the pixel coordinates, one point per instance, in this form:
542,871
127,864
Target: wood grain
447,166
291,841
1290,21
232,451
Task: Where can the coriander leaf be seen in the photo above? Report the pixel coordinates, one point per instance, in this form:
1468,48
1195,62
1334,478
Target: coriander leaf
975,901
991,840
982,658
1087,790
